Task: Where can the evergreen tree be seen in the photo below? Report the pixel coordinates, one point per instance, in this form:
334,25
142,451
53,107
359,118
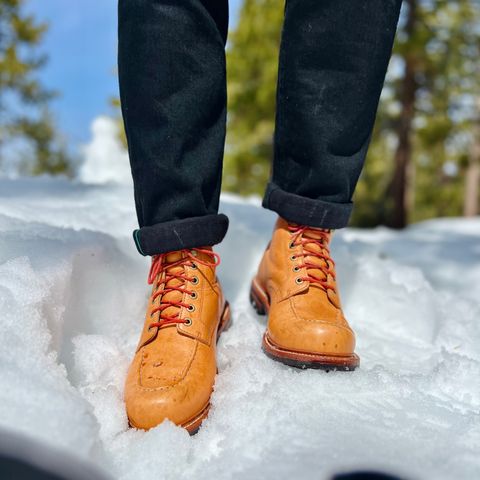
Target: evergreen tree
252,65
425,122
24,115
122,136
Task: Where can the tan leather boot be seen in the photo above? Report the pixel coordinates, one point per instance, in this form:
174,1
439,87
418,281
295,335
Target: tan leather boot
296,285
173,371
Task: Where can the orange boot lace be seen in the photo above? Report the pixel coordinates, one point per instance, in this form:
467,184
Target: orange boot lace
173,285
316,255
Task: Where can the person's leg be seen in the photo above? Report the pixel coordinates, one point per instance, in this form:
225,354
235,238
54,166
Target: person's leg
173,94
171,61
333,59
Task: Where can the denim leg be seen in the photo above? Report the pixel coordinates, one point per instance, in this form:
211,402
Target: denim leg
171,61
333,60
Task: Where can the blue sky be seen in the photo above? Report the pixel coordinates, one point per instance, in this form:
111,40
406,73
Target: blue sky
82,46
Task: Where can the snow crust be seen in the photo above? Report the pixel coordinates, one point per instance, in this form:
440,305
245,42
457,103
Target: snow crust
72,297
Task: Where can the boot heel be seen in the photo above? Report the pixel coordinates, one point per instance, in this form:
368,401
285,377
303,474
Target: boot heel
256,301
225,321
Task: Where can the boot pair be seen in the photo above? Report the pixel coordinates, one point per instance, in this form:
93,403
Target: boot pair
173,371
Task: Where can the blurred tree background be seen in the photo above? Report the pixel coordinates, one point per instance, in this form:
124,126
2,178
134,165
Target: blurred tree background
27,129
424,159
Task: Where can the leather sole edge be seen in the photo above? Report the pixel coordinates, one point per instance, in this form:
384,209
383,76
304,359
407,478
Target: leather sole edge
304,360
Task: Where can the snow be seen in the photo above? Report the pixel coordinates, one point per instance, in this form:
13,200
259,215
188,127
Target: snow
104,158
72,295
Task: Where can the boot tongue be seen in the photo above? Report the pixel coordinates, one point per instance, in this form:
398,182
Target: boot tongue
204,257
317,247
172,257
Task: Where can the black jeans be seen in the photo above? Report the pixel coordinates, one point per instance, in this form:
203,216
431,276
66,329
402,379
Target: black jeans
333,59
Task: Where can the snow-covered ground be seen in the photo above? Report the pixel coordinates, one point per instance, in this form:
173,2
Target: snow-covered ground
72,295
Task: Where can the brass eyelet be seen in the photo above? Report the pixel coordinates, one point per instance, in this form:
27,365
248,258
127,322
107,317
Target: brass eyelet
191,308
195,280
298,280
296,268
194,295
194,266
187,322
292,245
293,258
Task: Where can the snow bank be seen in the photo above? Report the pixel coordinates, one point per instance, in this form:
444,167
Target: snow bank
72,294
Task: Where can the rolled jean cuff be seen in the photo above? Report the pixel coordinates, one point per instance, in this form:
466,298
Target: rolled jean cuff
191,232
306,211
